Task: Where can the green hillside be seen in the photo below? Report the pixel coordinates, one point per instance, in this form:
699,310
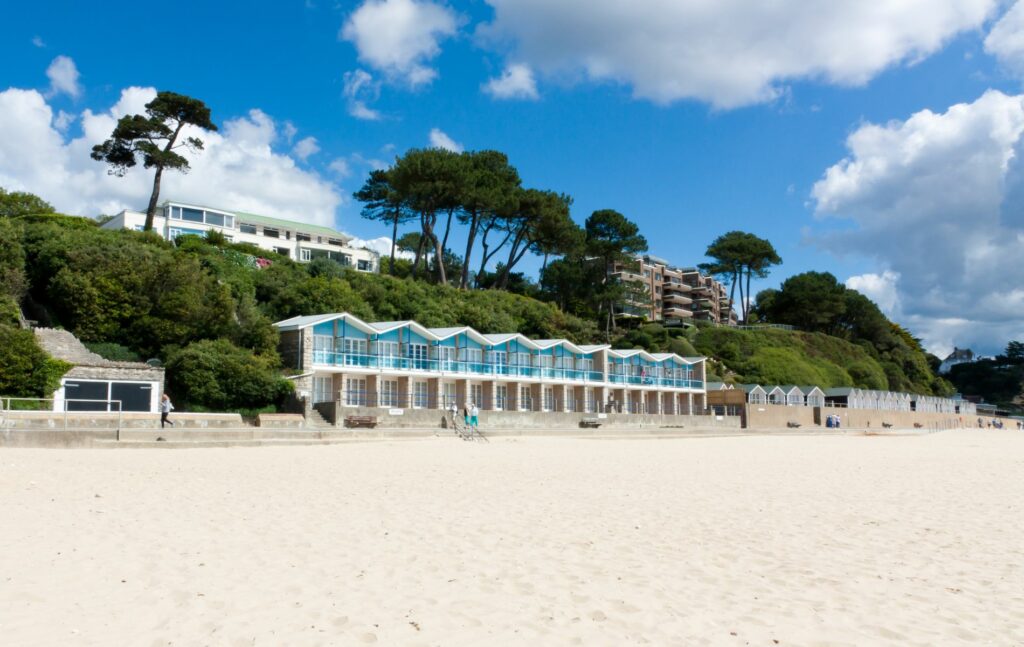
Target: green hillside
205,309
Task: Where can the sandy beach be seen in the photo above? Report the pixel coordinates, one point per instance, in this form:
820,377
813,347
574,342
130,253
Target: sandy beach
791,540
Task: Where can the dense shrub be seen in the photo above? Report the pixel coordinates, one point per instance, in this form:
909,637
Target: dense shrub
26,371
113,352
219,376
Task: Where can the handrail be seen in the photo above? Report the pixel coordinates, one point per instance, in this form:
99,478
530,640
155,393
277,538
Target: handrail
500,369
5,406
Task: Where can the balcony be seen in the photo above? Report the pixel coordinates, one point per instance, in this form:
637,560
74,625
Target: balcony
489,369
671,297
671,312
677,287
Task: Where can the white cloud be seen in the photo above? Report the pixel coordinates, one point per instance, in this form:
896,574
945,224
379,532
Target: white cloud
361,89
340,167
63,120
1006,39
937,200
289,131
381,245
38,41
439,139
63,77
880,288
238,168
516,82
305,147
399,37
728,52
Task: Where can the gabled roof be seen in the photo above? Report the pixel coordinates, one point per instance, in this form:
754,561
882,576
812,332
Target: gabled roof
771,388
788,388
840,390
491,339
749,388
445,333
807,390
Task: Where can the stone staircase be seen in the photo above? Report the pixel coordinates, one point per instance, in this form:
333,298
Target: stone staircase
63,345
317,421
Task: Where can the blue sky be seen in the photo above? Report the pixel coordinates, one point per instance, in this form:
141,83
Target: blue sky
624,109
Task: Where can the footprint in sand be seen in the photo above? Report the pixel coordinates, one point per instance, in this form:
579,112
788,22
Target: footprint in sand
598,616
368,638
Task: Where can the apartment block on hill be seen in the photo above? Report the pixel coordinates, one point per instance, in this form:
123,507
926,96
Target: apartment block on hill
674,295
298,241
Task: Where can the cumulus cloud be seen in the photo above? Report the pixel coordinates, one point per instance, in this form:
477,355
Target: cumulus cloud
881,288
361,89
400,37
238,168
729,52
63,120
937,201
381,245
1006,39
516,82
440,139
305,148
63,77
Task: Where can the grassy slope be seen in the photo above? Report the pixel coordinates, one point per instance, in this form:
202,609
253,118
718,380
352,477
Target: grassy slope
790,357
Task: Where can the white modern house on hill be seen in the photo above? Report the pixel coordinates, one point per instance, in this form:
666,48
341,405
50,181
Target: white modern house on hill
298,241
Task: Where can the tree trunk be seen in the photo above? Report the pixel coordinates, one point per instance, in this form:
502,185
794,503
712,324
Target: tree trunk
153,198
487,256
439,256
474,222
394,241
514,254
419,248
732,290
746,304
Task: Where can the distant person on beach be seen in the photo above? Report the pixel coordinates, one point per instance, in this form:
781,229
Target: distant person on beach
465,413
474,416
165,408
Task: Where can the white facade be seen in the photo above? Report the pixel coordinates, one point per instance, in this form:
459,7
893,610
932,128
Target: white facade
296,240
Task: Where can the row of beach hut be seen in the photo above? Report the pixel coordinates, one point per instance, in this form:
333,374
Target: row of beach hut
849,397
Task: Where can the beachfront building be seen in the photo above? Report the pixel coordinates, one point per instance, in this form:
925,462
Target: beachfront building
813,396
672,295
298,241
755,393
402,364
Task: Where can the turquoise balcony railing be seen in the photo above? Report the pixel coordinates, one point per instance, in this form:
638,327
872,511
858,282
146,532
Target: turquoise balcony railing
361,360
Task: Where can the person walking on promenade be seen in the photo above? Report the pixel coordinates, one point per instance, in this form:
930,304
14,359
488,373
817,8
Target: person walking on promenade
165,408
474,414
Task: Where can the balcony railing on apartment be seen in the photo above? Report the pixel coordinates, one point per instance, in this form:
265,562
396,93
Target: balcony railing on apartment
492,369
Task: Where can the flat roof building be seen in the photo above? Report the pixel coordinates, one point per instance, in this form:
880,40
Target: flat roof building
674,295
298,241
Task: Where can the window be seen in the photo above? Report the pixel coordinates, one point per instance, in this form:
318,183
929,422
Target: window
322,346
271,233
303,237
473,355
288,235
549,399
283,251
389,393
497,358
657,277
191,215
364,266
418,354
355,391
215,219
448,394
524,399
476,394
336,241
246,228
419,395
322,387
500,397
304,255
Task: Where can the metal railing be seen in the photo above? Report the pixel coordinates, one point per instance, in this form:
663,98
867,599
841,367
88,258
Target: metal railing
9,405
497,369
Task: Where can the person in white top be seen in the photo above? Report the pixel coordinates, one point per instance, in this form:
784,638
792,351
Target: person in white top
474,413
165,408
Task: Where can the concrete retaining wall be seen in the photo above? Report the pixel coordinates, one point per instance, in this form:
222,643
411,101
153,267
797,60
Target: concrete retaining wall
433,418
101,420
775,416
281,420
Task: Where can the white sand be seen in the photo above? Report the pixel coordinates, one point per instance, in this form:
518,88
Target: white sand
799,540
